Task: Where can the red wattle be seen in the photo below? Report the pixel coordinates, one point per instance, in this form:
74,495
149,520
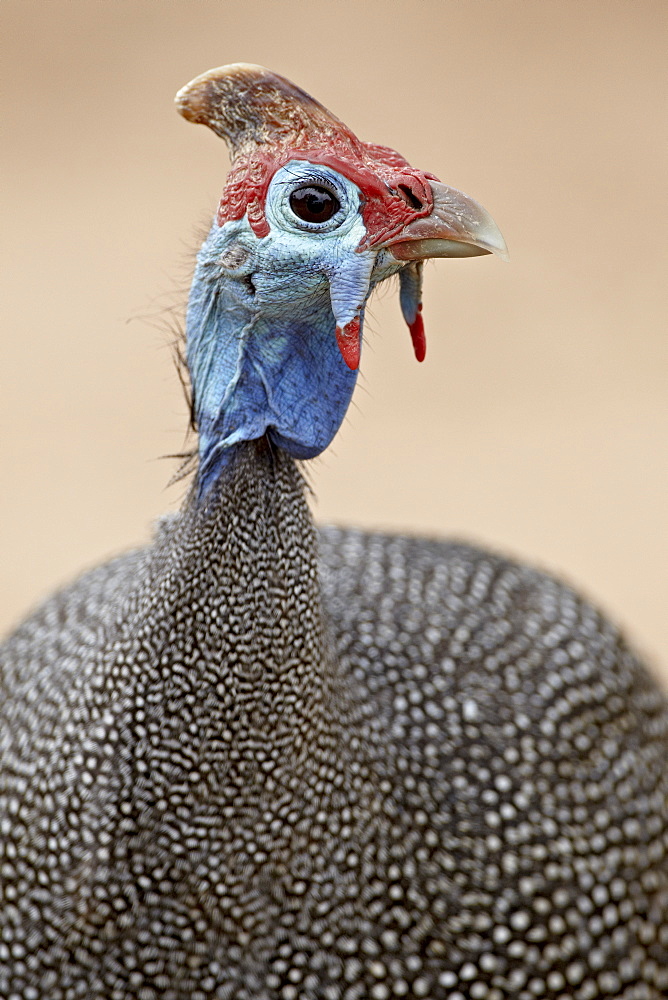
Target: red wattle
348,340
417,335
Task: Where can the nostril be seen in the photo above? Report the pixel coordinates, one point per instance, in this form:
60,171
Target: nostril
410,197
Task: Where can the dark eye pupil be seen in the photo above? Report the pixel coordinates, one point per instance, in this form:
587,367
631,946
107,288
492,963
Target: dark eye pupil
313,204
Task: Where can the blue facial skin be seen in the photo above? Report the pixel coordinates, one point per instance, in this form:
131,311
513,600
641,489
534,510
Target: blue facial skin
260,328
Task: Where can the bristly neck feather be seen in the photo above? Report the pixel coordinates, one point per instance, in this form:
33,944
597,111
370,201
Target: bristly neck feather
234,587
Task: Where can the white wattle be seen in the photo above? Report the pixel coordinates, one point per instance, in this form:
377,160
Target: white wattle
349,283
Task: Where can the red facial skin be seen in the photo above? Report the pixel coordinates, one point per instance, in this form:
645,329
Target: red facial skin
393,192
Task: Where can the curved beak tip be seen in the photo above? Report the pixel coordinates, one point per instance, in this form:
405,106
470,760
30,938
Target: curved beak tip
498,247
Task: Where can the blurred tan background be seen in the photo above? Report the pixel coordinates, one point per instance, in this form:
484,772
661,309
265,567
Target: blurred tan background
539,422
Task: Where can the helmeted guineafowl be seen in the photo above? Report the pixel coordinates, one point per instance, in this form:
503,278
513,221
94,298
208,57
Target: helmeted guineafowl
254,761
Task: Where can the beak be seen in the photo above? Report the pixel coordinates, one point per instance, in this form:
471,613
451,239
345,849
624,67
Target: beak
457,226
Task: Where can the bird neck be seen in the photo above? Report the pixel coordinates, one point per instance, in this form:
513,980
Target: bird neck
262,354
235,585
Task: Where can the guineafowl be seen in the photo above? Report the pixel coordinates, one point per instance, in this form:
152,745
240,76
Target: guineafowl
254,761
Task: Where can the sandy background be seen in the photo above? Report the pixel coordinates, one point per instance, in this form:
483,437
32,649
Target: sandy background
539,422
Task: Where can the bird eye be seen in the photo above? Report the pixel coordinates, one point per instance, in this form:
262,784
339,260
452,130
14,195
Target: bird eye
313,203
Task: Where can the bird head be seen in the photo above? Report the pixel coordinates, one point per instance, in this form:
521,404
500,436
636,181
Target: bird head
311,219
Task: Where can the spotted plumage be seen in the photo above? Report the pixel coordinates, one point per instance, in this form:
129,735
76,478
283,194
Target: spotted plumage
254,761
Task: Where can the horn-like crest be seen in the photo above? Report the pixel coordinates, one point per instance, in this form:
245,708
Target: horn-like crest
249,106
267,121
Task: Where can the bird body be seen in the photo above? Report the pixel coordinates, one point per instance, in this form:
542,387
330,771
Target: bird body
262,762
